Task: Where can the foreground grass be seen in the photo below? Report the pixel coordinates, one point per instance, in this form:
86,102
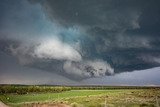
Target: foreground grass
34,97
89,98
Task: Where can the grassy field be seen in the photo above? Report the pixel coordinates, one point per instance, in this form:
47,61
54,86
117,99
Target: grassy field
88,98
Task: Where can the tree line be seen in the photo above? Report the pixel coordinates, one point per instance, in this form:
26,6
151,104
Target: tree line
31,89
25,89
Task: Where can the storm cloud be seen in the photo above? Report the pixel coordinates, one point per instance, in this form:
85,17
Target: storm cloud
119,31
82,39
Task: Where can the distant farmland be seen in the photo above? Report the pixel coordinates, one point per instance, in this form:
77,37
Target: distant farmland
80,96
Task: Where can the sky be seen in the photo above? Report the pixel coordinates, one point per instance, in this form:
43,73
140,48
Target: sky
80,42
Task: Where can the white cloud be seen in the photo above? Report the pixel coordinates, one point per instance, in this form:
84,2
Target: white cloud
47,49
55,49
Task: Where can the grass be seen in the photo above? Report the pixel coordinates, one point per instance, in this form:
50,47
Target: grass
89,98
13,98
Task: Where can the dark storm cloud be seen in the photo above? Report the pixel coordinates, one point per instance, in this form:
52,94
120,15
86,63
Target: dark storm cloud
119,31
107,14
82,38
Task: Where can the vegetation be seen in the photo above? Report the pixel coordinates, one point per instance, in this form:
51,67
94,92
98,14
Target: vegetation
18,89
110,87
92,96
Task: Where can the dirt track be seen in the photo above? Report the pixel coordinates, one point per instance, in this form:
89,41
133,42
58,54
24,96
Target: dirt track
38,105
46,105
2,104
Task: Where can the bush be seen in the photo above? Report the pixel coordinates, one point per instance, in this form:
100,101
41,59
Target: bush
74,104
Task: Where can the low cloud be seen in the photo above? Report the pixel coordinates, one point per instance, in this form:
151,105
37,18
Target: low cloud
47,53
138,77
85,69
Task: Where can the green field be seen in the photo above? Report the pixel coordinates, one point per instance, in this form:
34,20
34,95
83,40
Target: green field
88,98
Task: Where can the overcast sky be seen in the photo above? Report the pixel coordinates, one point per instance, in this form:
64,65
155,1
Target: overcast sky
71,42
